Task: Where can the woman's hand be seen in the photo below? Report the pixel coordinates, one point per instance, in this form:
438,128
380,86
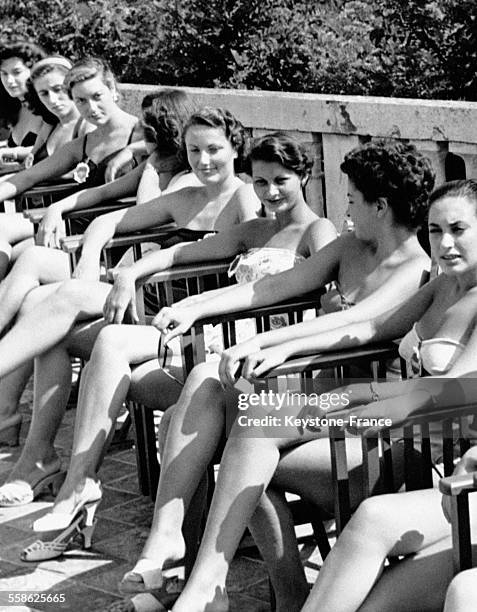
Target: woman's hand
122,297
174,321
117,166
51,228
264,360
230,360
466,465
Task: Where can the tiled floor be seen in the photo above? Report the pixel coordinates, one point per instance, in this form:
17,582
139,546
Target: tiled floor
89,579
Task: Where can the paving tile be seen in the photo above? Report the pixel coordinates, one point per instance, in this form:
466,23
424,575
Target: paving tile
126,483
138,511
243,603
112,469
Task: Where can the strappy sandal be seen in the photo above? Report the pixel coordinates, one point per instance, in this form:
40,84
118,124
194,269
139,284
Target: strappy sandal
144,577
19,493
80,522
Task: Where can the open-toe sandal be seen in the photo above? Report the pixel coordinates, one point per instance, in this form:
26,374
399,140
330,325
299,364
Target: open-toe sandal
158,601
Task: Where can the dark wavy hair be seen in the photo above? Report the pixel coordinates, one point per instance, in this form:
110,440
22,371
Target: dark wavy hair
282,149
87,68
165,113
224,120
29,53
395,171
456,189
32,97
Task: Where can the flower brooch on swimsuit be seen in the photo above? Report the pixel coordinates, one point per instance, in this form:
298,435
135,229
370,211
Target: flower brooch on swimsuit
28,161
81,172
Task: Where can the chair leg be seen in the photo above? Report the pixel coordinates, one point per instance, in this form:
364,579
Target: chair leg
146,451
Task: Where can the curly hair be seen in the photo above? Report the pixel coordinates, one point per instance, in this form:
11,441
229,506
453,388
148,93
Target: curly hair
53,63
219,118
282,149
165,113
395,171
28,53
87,68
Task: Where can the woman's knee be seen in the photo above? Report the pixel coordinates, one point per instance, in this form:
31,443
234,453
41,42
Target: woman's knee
462,592
110,340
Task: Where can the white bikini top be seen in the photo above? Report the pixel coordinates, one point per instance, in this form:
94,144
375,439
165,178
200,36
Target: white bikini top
435,356
257,263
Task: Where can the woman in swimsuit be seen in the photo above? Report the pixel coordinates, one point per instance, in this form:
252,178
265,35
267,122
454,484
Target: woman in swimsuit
377,265
279,167
49,99
164,114
15,63
443,343
93,89
215,141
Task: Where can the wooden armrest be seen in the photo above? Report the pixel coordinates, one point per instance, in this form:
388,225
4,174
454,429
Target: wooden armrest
70,244
187,271
454,485
55,187
316,361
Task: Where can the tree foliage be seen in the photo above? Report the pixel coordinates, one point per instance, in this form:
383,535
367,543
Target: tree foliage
404,48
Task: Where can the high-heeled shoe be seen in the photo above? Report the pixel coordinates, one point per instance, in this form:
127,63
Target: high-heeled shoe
10,430
143,578
20,493
81,521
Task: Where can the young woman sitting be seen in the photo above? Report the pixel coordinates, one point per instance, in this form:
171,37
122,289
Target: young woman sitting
48,98
214,141
372,268
93,89
279,168
164,115
16,59
443,342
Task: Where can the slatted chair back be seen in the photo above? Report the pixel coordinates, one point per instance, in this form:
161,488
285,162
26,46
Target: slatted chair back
45,194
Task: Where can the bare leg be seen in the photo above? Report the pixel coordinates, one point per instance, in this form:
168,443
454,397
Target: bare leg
397,524
103,389
274,533
41,328
36,266
462,592
195,428
52,385
11,389
13,228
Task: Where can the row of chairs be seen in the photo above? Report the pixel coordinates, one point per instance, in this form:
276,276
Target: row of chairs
377,455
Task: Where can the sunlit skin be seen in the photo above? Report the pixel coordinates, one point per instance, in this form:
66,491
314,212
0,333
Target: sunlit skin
360,210
53,95
14,75
453,238
278,188
210,154
94,100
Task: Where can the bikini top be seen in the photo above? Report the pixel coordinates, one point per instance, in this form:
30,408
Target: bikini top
27,141
433,356
334,300
91,174
259,262
42,151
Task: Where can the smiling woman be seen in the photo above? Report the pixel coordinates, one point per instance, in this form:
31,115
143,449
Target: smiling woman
91,84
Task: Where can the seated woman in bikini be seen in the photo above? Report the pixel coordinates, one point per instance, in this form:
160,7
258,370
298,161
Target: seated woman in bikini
279,168
215,141
93,89
16,60
375,266
164,114
443,342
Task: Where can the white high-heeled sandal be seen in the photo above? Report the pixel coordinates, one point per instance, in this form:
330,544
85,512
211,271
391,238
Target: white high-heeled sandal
83,523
